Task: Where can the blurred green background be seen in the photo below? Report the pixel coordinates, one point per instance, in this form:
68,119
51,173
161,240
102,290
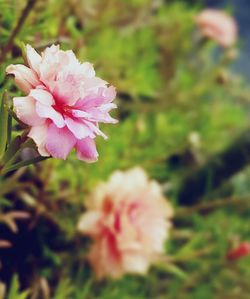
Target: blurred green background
183,116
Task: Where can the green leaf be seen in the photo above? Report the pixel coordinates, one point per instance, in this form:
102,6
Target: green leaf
64,290
23,163
4,121
174,270
12,149
14,292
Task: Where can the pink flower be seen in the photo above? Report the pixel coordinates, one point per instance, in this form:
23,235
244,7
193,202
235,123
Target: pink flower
128,220
218,26
64,102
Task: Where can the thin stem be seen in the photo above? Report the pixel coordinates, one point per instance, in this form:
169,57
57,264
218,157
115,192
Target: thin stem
22,164
190,256
7,48
206,206
11,188
11,183
12,156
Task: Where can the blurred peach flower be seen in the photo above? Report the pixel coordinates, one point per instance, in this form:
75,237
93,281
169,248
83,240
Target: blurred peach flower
64,102
219,26
129,220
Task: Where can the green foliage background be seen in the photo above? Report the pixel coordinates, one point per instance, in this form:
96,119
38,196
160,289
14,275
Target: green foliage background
179,104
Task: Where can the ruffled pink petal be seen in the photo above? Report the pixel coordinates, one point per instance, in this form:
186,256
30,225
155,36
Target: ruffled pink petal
50,64
108,107
87,69
59,142
92,100
99,116
26,111
67,90
42,96
109,94
25,78
34,59
78,128
49,112
39,135
80,114
86,150
54,62
94,83
101,97
94,128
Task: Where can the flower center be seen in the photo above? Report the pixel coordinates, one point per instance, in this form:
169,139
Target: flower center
63,109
